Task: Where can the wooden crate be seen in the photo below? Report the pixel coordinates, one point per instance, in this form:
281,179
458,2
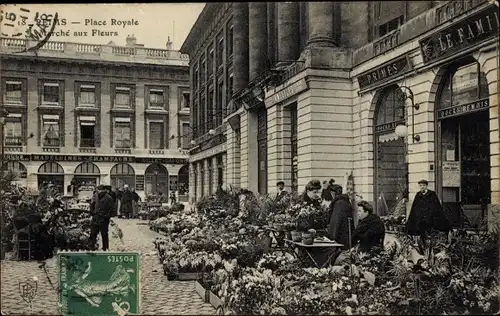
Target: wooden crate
202,292
214,300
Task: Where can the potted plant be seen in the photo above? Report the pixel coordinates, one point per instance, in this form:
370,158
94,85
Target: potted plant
296,235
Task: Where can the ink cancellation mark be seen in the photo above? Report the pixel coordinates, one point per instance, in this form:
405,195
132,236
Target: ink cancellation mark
19,22
99,283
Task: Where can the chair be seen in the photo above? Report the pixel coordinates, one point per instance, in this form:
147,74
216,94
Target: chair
24,238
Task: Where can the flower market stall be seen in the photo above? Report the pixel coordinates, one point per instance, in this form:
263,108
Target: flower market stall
227,245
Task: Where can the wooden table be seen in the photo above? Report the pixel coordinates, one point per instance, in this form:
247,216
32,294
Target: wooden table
331,248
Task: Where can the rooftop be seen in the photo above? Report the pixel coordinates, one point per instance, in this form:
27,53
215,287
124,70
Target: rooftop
131,53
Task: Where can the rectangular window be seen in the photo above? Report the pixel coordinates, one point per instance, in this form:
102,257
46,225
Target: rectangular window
230,41
195,79
50,93
87,95
203,70
210,64
122,97
121,132
156,135
221,108
229,90
203,122
13,92
13,133
390,26
87,131
220,50
50,130
185,102
186,136
210,110
156,98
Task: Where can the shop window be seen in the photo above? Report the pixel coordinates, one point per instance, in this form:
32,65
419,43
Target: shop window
50,94
294,124
156,180
122,132
51,172
464,138
156,135
87,96
13,133
121,174
87,132
51,130
156,98
18,168
13,92
220,171
122,97
391,168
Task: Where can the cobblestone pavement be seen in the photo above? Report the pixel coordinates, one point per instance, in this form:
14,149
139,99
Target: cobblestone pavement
159,296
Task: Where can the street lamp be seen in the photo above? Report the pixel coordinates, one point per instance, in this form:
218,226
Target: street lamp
407,94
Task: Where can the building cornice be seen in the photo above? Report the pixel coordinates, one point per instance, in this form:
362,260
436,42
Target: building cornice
199,27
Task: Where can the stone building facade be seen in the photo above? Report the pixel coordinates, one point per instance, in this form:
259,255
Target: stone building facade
86,114
316,94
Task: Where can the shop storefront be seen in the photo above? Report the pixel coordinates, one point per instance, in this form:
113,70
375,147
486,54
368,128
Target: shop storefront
156,179
51,172
463,139
86,179
19,169
183,182
121,174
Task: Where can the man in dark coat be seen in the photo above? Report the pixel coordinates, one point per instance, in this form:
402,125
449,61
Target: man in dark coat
326,193
102,208
281,190
126,202
426,213
340,212
112,194
370,231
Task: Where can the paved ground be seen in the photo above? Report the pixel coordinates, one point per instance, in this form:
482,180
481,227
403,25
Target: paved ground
159,296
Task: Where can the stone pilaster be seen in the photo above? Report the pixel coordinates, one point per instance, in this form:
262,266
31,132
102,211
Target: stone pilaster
257,38
288,30
232,163
199,179
240,45
224,168
286,147
215,173
206,180
275,140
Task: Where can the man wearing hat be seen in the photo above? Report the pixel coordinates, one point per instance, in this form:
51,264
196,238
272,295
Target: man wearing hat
102,208
426,213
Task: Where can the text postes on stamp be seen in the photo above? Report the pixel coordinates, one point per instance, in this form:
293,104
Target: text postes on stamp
99,283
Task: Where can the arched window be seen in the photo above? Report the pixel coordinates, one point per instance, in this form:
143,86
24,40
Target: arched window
122,169
391,169
50,167
121,174
18,167
390,107
156,179
183,185
87,168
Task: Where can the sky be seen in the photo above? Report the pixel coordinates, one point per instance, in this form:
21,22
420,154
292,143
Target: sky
151,23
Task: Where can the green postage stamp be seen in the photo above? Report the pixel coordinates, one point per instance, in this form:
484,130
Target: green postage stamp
99,283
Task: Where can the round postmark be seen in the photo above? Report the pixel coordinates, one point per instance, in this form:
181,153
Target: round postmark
19,22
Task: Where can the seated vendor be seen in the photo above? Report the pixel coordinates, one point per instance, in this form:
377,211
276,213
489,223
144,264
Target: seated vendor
370,231
368,237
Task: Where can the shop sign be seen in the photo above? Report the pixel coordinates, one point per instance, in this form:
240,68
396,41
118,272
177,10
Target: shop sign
288,92
451,174
462,109
14,157
388,127
139,182
467,33
173,161
99,283
389,70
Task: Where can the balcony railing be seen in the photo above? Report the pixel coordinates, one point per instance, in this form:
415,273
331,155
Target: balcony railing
386,43
87,143
51,142
157,105
103,52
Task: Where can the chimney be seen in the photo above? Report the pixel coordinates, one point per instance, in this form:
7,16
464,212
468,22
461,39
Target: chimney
131,40
169,44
